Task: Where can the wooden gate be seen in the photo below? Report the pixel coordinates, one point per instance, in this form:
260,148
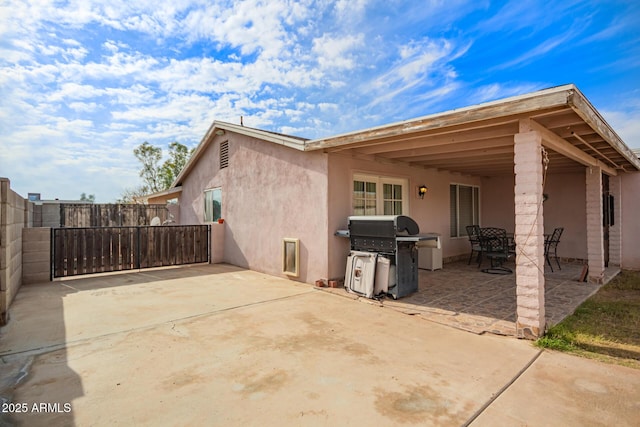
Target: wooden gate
88,250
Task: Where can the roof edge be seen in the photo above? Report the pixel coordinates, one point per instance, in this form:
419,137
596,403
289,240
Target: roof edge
276,138
170,190
546,98
583,107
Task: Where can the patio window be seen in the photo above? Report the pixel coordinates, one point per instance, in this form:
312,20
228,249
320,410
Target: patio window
212,205
379,195
465,208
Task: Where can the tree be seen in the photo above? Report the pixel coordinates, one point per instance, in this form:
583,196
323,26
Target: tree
91,198
155,176
178,156
133,195
149,156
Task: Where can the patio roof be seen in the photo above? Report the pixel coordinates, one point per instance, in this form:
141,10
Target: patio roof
479,140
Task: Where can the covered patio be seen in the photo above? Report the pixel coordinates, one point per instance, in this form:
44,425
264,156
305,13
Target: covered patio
463,297
528,165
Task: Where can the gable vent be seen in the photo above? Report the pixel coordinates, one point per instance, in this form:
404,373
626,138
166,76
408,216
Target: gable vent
224,154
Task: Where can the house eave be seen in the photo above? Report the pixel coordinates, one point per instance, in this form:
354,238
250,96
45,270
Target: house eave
544,99
581,105
168,192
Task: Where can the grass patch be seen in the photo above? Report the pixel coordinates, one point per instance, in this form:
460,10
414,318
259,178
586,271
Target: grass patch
604,327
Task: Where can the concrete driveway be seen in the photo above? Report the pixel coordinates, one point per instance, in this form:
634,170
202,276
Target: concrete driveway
217,345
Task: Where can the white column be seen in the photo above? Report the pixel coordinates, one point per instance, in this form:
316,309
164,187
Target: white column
529,235
595,238
615,231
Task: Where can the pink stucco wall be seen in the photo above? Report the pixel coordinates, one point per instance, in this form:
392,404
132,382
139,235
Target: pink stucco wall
497,202
431,213
269,192
566,207
630,223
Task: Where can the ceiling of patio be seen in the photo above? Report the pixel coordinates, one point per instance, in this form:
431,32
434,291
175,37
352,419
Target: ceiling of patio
483,145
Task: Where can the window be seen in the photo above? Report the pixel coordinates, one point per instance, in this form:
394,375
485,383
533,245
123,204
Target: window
465,202
212,205
369,200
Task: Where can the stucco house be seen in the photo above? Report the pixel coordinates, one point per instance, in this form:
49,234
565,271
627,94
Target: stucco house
491,164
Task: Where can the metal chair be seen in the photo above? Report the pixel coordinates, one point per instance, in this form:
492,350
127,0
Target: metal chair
495,246
551,247
473,231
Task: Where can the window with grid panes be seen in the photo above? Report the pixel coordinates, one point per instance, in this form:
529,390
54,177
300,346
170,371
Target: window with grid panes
369,200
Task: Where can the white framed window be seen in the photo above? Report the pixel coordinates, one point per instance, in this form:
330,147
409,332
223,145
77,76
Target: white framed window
465,208
212,204
380,195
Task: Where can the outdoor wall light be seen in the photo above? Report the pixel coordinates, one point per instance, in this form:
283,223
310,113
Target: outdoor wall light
220,132
422,190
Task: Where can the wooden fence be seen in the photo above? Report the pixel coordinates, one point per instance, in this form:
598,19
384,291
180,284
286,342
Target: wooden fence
110,215
83,250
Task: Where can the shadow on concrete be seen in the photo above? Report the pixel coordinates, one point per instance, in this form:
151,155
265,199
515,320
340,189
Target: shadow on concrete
147,275
28,395
37,382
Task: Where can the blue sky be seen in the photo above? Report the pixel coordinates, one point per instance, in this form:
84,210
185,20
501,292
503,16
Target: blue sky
82,83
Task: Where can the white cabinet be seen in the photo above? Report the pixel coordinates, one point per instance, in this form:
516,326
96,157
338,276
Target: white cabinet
430,254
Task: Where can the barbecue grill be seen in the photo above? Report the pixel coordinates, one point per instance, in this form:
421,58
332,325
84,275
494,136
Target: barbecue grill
393,237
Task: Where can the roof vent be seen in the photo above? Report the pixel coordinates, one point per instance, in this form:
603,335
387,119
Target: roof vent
224,154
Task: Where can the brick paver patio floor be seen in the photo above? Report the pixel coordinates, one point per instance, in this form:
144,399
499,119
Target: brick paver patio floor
464,297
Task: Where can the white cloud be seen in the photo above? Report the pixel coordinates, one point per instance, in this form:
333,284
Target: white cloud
336,52
422,63
626,125
92,79
495,91
83,106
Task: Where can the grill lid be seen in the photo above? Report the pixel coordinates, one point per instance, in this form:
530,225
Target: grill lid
382,226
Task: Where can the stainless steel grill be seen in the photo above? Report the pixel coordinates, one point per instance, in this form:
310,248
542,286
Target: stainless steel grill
393,237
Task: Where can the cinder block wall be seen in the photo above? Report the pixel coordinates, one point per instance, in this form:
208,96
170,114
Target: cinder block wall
14,216
36,255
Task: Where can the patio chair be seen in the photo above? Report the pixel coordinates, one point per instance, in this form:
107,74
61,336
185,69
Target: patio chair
473,231
551,247
495,246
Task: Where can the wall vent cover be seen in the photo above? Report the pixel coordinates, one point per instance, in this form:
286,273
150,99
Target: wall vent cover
224,154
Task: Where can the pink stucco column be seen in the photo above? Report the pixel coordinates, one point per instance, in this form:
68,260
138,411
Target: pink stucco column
529,235
595,239
615,231
217,242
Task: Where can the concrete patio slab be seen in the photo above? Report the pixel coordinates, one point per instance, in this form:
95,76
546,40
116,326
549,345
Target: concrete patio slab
568,391
217,345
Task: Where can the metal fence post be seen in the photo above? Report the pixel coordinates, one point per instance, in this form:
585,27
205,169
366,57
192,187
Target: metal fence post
52,255
137,252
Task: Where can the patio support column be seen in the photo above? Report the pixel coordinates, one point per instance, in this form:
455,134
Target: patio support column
615,231
529,237
595,238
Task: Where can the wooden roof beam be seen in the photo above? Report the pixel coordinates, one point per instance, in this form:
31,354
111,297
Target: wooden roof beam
444,148
459,154
562,146
491,132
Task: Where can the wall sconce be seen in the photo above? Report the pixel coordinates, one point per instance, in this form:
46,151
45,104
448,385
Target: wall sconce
220,132
422,190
